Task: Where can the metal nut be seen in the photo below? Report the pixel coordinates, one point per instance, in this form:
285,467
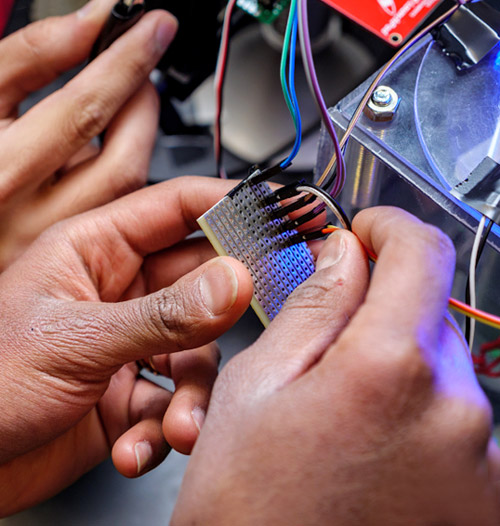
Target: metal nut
383,104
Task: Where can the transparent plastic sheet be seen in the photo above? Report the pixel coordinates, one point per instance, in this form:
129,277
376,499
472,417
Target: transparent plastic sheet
445,125
457,114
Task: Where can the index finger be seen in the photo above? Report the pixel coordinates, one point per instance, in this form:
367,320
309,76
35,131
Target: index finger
57,127
411,283
38,53
156,217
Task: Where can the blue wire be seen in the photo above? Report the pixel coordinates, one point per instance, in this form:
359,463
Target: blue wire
293,95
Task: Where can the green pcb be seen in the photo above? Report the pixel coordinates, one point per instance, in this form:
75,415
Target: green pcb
266,11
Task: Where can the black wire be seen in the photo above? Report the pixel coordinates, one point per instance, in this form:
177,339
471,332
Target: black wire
482,244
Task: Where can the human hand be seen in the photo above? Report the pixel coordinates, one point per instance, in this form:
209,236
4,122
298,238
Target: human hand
352,409
93,293
50,170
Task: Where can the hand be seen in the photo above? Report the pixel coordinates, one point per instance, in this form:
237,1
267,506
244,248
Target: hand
93,293
50,170
356,406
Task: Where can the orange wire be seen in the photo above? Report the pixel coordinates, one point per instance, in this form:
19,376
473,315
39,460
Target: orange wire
463,308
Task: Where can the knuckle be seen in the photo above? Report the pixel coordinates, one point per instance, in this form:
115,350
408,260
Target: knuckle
88,118
400,379
409,368
33,36
465,419
316,295
36,40
170,317
438,241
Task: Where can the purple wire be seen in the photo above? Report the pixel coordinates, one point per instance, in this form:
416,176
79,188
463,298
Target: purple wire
307,57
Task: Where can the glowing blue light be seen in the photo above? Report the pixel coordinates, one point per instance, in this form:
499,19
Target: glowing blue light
496,59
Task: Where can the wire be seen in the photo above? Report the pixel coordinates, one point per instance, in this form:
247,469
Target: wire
329,202
312,79
467,288
373,86
220,74
472,277
289,50
479,315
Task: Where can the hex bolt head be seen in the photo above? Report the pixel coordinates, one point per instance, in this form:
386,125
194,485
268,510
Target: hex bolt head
382,105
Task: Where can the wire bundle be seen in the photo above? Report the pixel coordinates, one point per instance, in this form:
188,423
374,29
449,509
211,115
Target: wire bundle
333,177
288,56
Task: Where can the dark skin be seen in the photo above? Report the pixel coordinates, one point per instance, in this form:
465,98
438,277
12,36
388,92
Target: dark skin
359,403
92,295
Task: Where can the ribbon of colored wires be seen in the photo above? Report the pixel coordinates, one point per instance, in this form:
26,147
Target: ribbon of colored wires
359,110
288,55
220,73
310,71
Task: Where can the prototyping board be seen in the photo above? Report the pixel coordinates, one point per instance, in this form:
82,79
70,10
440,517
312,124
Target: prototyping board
242,225
266,11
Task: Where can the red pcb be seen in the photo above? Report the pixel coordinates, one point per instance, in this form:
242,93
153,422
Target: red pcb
392,20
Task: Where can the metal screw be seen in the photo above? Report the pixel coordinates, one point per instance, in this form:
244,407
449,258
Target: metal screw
383,104
382,96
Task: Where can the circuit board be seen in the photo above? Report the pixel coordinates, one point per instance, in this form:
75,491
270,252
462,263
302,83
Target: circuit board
243,226
266,11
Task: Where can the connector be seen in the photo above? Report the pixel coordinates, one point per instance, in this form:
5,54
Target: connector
481,190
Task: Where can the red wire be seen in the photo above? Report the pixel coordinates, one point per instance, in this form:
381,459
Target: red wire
467,310
220,72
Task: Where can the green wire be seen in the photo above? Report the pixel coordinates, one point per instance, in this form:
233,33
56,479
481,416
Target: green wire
284,57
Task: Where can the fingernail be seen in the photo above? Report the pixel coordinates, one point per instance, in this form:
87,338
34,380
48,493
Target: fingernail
143,455
332,251
219,287
198,416
165,34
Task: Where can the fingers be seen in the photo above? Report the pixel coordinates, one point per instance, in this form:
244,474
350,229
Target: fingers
411,283
194,311
122,166
143,446
149,220
65,121
40,52
311,319
194,373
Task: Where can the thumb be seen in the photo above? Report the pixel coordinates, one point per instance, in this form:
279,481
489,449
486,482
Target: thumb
311,319
192,312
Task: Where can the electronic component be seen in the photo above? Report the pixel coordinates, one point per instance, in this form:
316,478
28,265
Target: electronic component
266,11
470,34
392,20
481,190
244,225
